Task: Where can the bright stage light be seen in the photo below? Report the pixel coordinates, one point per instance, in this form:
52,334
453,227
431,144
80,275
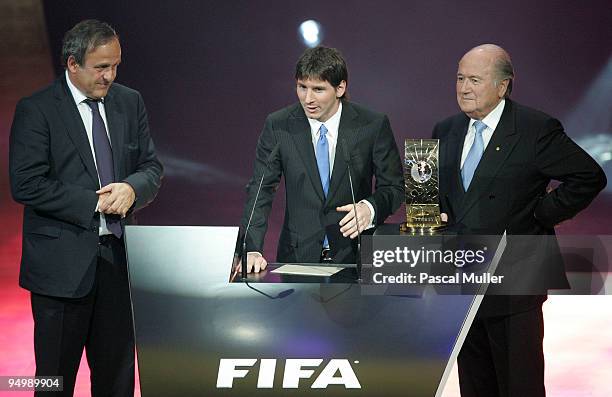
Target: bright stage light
311,33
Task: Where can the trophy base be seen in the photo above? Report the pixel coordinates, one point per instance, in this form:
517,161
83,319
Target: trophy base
422,220
421,230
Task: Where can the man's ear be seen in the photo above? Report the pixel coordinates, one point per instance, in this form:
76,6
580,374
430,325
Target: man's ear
71,64
341,89
502,88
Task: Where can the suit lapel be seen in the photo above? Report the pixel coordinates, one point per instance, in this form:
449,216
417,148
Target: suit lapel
74,125
116,130
346,130
495,155
459,135
302,137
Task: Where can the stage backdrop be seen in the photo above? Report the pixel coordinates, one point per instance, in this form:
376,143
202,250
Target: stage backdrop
210,72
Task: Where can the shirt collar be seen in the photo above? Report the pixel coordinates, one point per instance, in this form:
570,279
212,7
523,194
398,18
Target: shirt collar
492,119
77,95
332,124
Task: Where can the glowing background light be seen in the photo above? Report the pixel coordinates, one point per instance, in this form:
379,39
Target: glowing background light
311,33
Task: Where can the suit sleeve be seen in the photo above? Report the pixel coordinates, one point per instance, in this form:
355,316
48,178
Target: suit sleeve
444,208
435,133
259,223
389,191
145,179
32,183
560,158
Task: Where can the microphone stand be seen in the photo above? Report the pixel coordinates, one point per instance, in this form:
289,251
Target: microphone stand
246,230
347,158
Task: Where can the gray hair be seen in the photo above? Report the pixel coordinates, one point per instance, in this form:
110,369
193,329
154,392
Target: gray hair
504,70
84,37
502,65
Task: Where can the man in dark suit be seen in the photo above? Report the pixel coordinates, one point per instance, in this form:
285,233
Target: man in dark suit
308,143
81,162
497,158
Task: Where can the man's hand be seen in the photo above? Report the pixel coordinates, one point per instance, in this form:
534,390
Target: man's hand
443,217
101,197
348,227
116,198
255,262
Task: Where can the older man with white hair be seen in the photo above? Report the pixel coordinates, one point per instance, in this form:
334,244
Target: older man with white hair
497,158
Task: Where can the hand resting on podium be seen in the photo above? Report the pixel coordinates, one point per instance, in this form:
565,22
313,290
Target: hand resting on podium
255,262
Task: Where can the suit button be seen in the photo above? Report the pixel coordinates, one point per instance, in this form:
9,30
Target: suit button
94,228
491,197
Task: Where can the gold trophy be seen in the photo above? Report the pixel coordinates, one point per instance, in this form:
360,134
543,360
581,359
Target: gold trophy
422,187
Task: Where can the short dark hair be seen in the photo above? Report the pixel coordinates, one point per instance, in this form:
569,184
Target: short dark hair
84,37
322,63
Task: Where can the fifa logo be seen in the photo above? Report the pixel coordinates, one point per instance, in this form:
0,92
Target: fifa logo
294,371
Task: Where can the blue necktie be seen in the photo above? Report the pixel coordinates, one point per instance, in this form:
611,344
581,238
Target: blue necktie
322,154
474,155
104,160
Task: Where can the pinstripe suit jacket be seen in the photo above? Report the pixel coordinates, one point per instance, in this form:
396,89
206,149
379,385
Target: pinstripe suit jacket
309,215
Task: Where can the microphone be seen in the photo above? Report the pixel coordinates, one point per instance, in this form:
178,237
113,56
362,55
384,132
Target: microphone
269,159
347,159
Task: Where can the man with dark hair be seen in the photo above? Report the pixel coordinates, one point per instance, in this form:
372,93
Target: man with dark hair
497,158
326,64
82,161
308,139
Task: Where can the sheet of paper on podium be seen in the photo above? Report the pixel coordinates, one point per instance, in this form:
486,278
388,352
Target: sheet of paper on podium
304,270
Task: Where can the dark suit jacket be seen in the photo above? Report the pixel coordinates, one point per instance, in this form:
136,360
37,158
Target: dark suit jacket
508,192
53,174
308,214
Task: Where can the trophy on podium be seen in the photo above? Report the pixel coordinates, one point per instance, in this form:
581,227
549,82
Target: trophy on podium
422,187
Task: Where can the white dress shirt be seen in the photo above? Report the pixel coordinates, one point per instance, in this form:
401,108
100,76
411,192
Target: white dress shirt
87,117
491,120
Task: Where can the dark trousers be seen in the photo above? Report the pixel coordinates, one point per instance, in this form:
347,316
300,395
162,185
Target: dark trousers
502,356
100,322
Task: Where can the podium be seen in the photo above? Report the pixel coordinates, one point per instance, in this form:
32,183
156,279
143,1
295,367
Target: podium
197,334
